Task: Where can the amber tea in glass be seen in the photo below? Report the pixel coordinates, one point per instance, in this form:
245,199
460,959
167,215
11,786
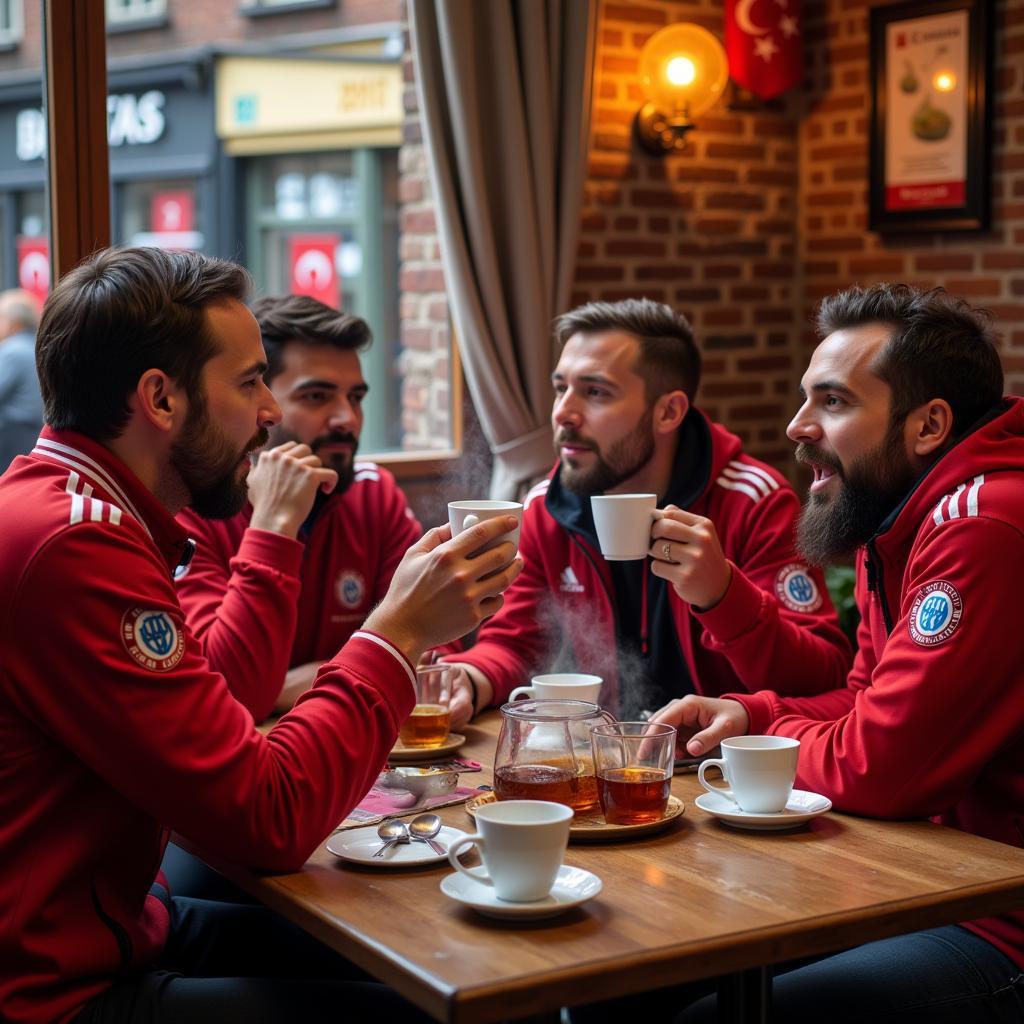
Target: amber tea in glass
633,761
429,723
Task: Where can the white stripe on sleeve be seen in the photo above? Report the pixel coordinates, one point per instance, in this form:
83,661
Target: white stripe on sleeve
972,495
393,651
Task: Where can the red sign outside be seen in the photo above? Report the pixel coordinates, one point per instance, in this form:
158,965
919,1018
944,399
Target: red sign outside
311,258
172,211
34,266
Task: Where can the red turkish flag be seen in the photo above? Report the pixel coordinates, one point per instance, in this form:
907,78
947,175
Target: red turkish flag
764,43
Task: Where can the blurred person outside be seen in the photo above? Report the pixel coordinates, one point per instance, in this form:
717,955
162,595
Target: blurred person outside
722,603
115,729
21,405
918,467
274,591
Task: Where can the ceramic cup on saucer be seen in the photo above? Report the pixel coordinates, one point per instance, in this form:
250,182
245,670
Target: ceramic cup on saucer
623,524
522,843
759,772
561,686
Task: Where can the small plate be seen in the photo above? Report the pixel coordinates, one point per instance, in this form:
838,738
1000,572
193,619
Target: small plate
359,845
591,826
802,807
572,887
407,755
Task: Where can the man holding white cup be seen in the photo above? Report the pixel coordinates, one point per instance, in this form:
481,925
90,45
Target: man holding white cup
721,603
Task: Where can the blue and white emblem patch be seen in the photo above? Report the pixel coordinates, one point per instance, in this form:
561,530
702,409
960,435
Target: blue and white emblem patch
350,588
796,589
152,638
935,613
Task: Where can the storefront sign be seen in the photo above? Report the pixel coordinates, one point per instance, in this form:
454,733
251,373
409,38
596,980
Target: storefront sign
269,96
313,272
34,266
131,121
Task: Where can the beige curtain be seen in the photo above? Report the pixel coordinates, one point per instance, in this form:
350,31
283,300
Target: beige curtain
504,88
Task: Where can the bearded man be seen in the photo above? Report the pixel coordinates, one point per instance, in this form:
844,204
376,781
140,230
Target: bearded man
275,590
918,467
723,602
114,729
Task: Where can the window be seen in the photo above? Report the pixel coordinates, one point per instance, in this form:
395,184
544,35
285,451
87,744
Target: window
326,224
11,23
256,7
136,13
160,212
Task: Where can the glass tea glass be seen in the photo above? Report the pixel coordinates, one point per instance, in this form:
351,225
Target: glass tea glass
633,763
430,721
544,752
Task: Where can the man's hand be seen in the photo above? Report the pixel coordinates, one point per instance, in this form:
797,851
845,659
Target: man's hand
686,552
462,709
296,682
707,720
282,486
439,593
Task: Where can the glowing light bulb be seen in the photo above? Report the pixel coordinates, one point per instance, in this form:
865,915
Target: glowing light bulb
944,81
680,71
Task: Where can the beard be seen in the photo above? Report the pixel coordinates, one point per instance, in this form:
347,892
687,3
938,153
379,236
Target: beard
343,463
207,463
834,527
625,458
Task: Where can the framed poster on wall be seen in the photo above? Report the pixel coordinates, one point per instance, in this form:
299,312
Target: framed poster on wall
930,116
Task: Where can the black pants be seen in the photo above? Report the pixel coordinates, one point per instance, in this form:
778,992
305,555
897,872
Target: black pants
227,962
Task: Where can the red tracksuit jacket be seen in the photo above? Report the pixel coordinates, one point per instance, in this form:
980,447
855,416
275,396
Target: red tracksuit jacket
774,627
261,603
931,721
113,729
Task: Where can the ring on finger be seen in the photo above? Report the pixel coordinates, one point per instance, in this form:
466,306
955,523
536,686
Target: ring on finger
666,550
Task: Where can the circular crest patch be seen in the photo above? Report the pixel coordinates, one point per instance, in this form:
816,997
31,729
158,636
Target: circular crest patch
935,614
796,589
350,588
152,638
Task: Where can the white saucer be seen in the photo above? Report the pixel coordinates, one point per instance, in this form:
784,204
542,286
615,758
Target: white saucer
573,886
359,845
802,806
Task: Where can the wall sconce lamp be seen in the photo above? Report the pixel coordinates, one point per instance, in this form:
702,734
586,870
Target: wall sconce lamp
683,70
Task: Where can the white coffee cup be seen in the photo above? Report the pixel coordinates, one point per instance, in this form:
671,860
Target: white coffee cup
561,686
759,771
464,514
522,843
623,524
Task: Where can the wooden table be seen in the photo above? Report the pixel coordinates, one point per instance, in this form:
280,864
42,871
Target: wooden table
697,901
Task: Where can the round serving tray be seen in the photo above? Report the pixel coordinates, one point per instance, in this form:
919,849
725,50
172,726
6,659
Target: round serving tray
592,828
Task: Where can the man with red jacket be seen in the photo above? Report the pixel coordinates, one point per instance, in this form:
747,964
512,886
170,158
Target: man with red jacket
723,603
113,728
918,467
274,591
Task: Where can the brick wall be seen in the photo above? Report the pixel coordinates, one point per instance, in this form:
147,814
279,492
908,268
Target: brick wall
712,231
766,210
426,335
987,268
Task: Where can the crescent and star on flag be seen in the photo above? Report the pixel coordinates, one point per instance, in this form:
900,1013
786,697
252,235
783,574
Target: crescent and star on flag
764,46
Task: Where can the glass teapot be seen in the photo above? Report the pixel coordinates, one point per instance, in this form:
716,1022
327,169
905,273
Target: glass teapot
544,752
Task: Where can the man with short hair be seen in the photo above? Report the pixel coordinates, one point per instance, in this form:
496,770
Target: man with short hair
918,467
275,590
21,406
114,729
723,602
